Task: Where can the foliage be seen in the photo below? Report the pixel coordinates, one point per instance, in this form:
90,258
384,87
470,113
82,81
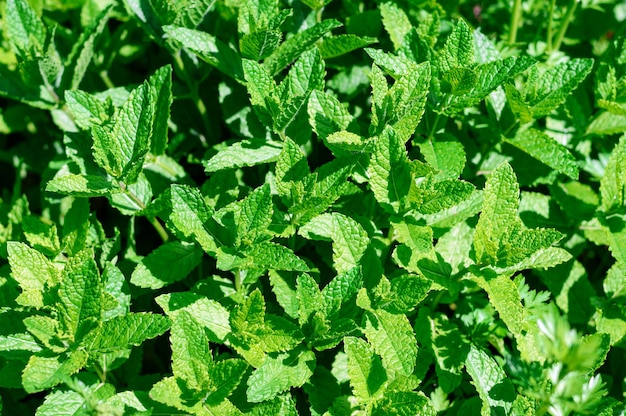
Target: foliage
312,207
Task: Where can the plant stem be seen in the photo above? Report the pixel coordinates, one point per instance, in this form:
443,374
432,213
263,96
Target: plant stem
433,129
155,223
569,14
516,17
550,22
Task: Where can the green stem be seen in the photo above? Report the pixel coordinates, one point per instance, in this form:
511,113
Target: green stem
569,14
550,23
433,129
104,75
516,18
155,223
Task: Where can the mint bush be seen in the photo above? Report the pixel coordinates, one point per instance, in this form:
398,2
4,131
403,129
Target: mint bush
312,208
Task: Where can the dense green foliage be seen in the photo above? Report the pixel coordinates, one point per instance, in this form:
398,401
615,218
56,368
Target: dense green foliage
315,207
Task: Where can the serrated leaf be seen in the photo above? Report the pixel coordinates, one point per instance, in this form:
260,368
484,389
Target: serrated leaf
87,109
32,271
208,48
396,23
24,28
494,387
368,377
334,46
191,357
545,149
340,290
499,213
121,147
209,313
349,239
259,45
262,256
41,235
61,403
242,154
393,339
167,264
447,157
254,216
44,372
403,104
326,114
279,374
488,77
404,403
80,294
161,94
458,51
83,51
606,123
187,212
613,183
548,87
389,171
81,185
293,47
116,287
125,331
291,169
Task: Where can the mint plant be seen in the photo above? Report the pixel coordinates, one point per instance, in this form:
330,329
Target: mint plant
312,208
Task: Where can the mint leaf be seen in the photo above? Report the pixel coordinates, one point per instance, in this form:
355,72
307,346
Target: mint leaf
487,376
349,238
208,48
245,153
24,28
33,272
612,185
293,47
279,374
167,264
547,150
129,330
393,339
44,372
367,375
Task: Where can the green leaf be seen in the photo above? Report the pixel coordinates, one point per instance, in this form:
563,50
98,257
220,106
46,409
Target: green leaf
326,114
259,45
254,216
167,264
262,256
293,47
120,148
396,23
86,109
245,153
403,403
487,77
349,239
80,294
447,157
42,236
389,171
279,374
291,169
81,185
548,87
393,339
340,290
191,357
613,183
65,403
187,213
161,94
33,272
545,149
24,28
494,387
499,213
42,373
334,46
83,50
209,313
458,51
121,332
368,377
403,104
208,48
